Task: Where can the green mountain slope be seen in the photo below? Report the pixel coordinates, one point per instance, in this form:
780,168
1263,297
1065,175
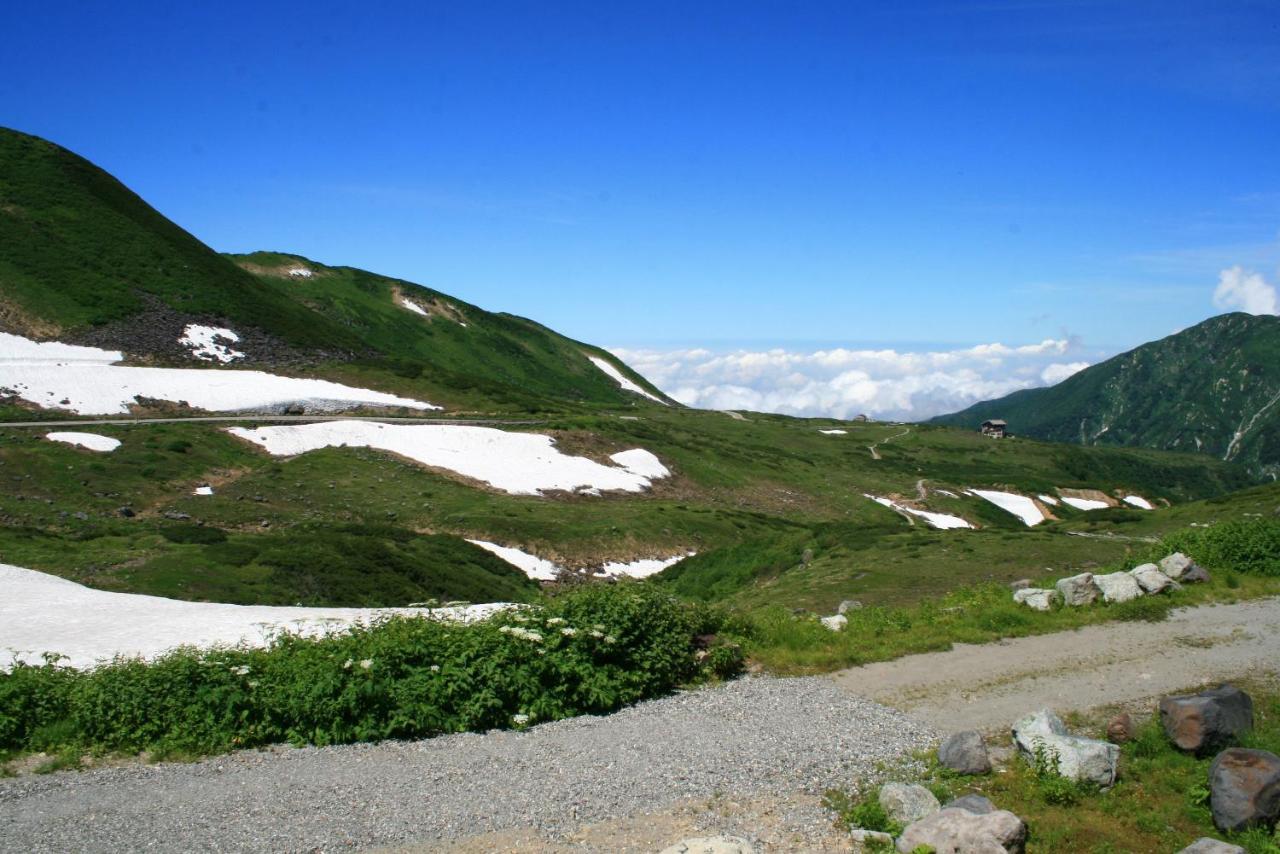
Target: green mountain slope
1213,388
84,259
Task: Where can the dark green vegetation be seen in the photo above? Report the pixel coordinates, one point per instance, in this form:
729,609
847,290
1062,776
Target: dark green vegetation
1213,388
588,652
84,259
1160,803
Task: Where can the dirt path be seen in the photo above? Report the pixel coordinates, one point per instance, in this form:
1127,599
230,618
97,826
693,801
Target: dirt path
988,687
875,454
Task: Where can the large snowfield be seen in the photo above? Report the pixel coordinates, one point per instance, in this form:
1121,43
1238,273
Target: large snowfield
518,463
621,379
1019,505
42,613
86,380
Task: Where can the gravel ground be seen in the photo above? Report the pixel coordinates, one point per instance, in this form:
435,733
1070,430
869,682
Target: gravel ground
752,737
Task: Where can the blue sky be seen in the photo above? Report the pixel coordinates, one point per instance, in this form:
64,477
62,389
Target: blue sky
663,174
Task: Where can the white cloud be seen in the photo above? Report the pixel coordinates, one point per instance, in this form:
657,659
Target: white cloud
842,383
1245,290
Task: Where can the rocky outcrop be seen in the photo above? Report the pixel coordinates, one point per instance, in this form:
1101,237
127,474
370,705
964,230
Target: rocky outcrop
1150,578
965,753
907,802
1078,589
1043,737
1118,587
1244,789
1204,722
1035,598
1209,845
957,830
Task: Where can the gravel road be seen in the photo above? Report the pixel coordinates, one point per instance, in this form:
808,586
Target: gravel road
753,737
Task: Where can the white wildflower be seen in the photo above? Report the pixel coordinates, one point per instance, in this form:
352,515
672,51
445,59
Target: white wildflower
568,632
557,621
519,720
346,665
241,670
599,627
596,633
610,639
366,663
435,668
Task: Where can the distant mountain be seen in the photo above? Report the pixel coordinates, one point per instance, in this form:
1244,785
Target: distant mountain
83,259
1213,388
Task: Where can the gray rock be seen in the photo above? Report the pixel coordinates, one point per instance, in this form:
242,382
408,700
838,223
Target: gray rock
865,839
836,623
848,605
1078,589
1084,759
955,830
1244,789
1175,565
1209,845
1118,587
976,804
965,753
1197,574
126,512
907,802
1150,578
710,845
1036,598
1207,721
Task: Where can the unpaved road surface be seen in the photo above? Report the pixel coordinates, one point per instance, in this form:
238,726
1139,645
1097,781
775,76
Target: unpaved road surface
990,686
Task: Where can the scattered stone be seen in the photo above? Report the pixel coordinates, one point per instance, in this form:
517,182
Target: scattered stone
176,516
1085,759
81,515
126,512
1150,578
1120,730
1209,845
1207,721
907,802
976,804
1244,789
1078,589
865,839
1176,565
848,605
836,623
1036,598
1020,584
1197,574
711,845
1118,587
957,830
965,753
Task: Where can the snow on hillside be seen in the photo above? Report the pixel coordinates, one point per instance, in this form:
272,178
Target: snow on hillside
834,432
202,341
531,565
618,377
86,381
42,613
414,307
1085,503
518,463
1138,501
1019,505
1048,499
641,568
88,441
936,520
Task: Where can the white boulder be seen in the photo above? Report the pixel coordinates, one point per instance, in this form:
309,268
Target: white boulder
907,802
1150,578
1043,736
1036,598
1078,589
836,623
957,830
1118,586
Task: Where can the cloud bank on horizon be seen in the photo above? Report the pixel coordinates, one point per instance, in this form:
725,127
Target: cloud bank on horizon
843,383
1244,290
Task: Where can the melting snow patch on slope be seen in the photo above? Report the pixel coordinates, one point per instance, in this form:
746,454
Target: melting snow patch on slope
623,382
89,441
204,343
1138,501
414,307
834,432
84,380
301,273
1085,503
531,565
1019,505
1048,499
641,568
518,463
936,520
42,613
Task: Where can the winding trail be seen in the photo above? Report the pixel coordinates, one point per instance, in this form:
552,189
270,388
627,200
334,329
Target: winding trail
873,448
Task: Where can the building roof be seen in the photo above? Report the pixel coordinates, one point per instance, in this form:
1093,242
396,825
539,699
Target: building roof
995,422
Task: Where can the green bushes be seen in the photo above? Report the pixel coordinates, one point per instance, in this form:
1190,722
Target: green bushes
1245,545
591,651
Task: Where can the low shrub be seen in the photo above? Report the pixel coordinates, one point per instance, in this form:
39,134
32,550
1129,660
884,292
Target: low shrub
590,651
1251,546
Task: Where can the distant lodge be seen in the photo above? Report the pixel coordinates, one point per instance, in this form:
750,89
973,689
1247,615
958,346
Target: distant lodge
995,428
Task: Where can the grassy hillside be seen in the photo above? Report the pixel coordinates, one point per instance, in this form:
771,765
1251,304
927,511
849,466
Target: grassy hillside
84,259
1213,388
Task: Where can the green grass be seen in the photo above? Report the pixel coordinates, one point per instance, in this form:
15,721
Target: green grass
1159,803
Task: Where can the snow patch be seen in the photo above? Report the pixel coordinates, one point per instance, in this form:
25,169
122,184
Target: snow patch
518,463
301,273
1019,505
202,341
641,568
414,307
623,382
1085,503
531,565
936,520
89,441
84,380
1138,501
834,432
203,490
42,613
1048,499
